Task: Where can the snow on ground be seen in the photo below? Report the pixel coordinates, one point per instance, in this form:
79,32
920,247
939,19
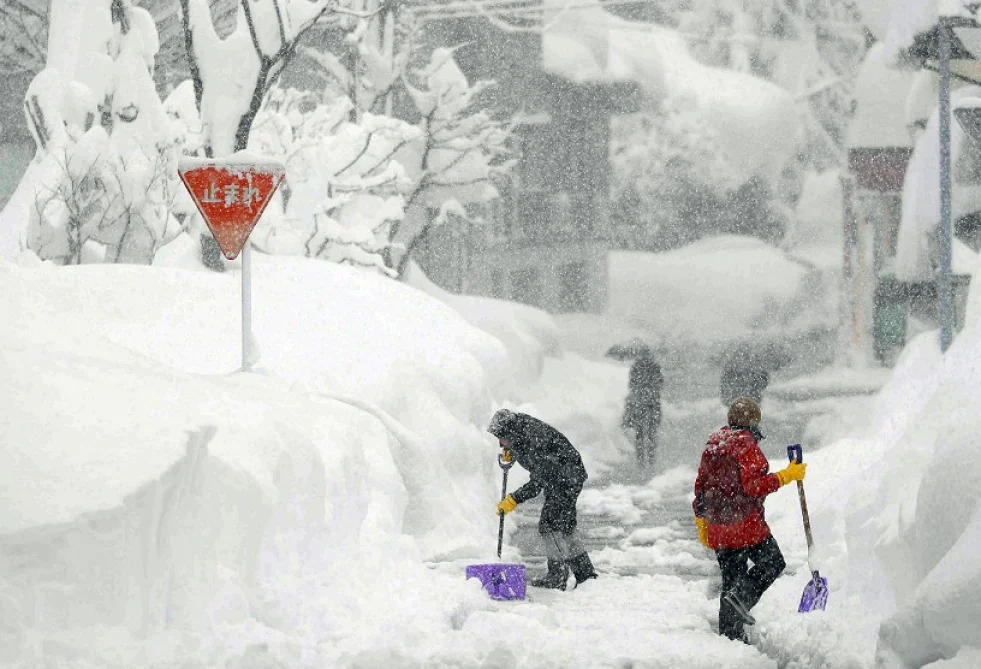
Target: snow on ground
895,510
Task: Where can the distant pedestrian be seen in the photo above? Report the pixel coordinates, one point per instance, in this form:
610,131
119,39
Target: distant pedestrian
642,409
742,377
556,469
733,480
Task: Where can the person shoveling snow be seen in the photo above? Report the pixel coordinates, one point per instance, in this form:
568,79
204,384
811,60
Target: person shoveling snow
556,469
733,480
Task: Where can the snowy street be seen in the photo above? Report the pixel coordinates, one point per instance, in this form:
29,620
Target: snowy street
657,582
286,284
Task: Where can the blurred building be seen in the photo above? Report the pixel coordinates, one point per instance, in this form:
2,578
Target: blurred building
879,144
891,198
544,242
16,144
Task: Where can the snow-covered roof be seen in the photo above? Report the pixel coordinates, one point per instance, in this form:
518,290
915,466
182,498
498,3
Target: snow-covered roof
754,120
921,191
880,114
922,97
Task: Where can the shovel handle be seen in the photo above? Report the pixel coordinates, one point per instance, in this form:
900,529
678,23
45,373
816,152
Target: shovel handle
796,454
504,493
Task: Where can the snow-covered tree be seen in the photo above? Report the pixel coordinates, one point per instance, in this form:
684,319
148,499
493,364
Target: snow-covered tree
345,189
232,75
461,152
109,163
362,183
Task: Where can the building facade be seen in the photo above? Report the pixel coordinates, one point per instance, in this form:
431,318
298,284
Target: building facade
544,242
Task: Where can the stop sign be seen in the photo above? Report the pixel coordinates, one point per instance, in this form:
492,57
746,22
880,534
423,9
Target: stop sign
231,195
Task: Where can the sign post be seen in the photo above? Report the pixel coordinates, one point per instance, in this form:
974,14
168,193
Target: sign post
231,194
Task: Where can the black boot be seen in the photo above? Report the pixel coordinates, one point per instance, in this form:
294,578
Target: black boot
556,577
739,606
582,568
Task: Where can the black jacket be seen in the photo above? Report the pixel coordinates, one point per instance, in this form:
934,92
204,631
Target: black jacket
553,462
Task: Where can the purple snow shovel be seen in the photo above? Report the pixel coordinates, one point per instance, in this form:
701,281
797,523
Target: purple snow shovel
501,580
815,596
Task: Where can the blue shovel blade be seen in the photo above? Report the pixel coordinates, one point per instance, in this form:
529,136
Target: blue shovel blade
815,596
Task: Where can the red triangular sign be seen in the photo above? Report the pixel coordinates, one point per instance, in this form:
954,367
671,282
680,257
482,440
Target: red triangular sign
231,195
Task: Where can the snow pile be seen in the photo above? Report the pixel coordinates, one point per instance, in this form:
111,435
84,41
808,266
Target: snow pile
159,507
880,121
528,334
584,400
896,512
715,290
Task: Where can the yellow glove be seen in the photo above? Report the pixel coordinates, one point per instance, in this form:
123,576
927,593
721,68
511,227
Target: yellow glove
506,456
795,471
507,505
703,531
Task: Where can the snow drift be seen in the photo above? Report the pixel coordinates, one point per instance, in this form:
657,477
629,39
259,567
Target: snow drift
157,500
896,512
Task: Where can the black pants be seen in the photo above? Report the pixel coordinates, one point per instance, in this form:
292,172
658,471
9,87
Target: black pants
748,584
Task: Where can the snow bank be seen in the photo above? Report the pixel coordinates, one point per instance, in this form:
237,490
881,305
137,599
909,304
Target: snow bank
528,334
715,290
160,507
584,400
896,512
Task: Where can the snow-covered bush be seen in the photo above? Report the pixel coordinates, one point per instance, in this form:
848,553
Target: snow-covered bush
673,184
109,178
345,189
354,174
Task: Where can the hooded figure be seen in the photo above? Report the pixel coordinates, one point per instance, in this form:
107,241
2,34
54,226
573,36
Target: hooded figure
556,470
642,410
733,480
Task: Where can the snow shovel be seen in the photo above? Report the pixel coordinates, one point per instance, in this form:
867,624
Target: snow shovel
501,580
815,596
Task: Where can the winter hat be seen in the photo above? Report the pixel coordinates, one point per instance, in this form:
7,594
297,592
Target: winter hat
744,412
505,424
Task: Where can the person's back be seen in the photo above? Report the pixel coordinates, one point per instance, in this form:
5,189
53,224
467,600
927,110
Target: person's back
546,453
555,469
733,480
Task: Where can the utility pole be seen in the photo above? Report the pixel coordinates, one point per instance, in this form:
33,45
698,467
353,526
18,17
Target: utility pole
944,231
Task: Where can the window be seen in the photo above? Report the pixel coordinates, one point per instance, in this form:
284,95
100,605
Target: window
498,288
526,286
573,287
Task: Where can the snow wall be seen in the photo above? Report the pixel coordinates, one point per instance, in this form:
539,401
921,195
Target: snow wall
160,504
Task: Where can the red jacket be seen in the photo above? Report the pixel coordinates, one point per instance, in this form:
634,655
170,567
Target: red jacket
733,480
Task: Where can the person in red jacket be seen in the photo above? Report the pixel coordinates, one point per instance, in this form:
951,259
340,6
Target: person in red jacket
733,480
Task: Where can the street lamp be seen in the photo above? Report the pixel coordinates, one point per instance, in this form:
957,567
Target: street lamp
949,49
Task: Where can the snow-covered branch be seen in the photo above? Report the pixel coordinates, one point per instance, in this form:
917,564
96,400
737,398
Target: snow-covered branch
232,75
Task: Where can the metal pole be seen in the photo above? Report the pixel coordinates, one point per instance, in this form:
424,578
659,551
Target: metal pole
246,308
944,231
